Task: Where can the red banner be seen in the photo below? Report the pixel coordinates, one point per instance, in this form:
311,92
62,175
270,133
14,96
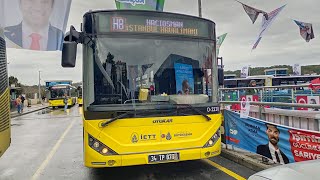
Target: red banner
304,145
302,100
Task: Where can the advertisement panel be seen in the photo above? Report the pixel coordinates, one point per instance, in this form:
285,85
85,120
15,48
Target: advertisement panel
279,143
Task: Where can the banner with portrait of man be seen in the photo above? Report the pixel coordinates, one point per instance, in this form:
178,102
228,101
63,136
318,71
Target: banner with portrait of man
281,144
296,70
35,24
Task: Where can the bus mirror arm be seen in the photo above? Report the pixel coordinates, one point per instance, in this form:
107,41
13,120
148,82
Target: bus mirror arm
69,48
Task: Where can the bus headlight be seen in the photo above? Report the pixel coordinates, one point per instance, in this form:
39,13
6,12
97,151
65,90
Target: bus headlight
100,147
213,139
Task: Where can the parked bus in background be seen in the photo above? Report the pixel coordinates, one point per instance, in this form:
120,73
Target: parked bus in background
5,131
269,80
80,102
145,87
57,92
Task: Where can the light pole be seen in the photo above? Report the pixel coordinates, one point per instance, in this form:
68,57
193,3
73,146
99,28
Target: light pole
39,88
200,8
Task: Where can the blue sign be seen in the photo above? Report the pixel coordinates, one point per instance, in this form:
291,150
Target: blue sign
184,78
279,143
53,83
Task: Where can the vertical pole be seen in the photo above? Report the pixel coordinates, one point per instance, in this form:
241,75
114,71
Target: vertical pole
200,8
292,97
39,88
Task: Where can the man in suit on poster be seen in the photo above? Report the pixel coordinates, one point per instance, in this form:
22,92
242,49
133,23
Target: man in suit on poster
272,150
35,31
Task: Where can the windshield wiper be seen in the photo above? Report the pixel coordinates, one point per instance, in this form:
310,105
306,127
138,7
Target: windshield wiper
116,118
198,111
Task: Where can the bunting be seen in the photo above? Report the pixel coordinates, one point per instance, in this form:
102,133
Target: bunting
220,40
253,13
266,23
306,30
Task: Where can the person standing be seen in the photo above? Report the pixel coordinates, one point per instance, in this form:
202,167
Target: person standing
22,103
65,101
18,104
250,91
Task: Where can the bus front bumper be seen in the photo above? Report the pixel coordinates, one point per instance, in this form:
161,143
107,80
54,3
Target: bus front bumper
95,160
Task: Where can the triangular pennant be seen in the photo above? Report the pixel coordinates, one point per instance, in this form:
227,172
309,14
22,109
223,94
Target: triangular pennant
306,30
253,13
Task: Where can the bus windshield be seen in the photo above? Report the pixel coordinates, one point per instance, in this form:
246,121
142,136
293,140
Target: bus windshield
152,70
58,92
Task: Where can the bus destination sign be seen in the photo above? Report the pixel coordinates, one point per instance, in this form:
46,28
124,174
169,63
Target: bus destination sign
154,25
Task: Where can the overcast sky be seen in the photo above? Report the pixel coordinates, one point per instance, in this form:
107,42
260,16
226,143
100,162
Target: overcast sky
281,44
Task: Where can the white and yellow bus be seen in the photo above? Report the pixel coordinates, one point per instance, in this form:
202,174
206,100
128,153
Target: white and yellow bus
145,87
5,132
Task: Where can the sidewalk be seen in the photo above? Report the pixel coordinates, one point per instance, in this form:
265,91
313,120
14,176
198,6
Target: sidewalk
247,159
28,110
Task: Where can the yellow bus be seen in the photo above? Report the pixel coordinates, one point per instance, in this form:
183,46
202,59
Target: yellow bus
145,87
80,102
5,132
57,92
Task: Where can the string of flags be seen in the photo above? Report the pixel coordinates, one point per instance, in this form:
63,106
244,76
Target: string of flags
306,29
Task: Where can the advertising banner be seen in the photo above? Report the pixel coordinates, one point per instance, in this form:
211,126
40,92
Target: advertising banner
155,5
296,70
184,78
244,72
35,25
279,143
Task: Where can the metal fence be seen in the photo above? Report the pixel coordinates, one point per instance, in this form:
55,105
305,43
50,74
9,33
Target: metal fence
281,94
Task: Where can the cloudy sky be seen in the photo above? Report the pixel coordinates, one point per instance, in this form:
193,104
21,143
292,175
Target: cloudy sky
281,44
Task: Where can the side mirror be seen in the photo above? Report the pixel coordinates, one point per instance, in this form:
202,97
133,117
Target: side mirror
69,48
69,54
220,76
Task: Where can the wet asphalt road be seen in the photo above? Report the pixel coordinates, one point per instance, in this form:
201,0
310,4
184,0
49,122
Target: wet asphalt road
37,151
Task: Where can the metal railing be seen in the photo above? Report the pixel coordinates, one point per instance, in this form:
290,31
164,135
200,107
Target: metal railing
281,102
283,94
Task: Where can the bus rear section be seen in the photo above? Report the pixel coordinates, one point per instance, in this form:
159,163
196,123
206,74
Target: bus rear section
5,132
137,141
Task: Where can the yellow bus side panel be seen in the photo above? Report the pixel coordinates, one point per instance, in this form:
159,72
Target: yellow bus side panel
134,139
5,131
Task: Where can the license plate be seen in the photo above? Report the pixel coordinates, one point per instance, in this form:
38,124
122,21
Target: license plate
163,157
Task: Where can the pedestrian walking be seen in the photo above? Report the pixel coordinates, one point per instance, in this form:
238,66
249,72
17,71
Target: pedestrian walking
65,101
22,103
18,104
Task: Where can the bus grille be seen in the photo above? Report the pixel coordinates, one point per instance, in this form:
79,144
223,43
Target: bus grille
4,92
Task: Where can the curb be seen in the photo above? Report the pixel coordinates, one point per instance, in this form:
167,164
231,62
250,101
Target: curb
35,110
247,161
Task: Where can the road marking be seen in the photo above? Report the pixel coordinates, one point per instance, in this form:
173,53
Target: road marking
52,152
225,170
